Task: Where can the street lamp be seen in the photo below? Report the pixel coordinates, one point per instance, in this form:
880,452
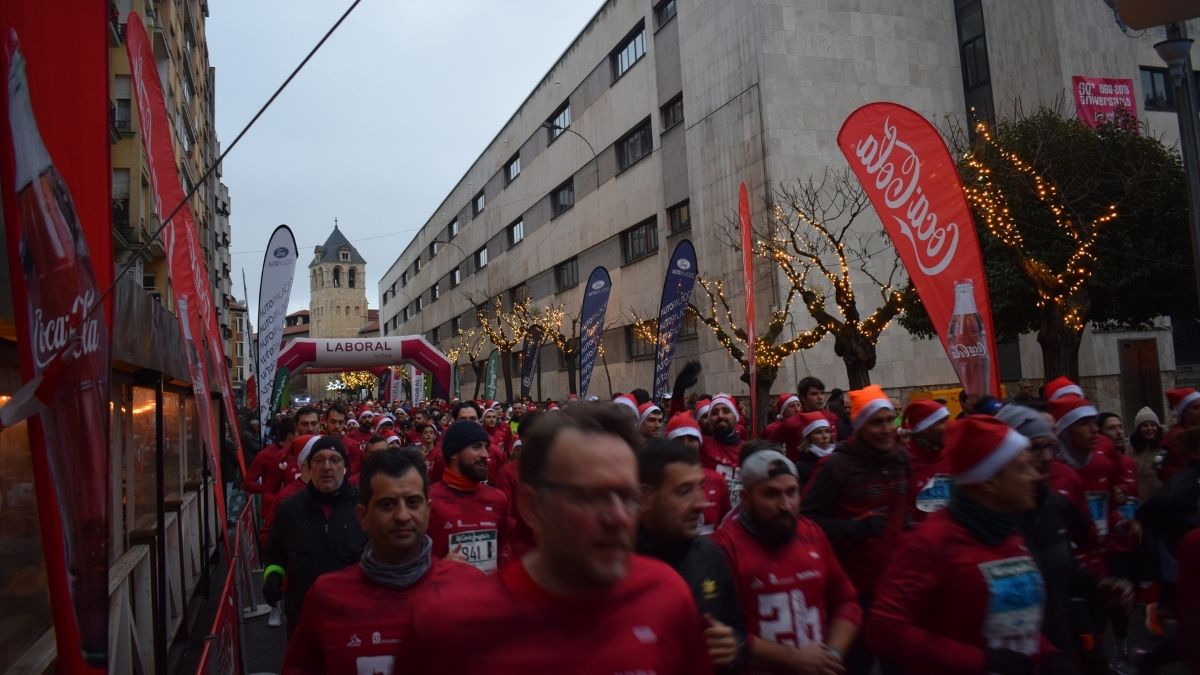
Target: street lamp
554,127
450,243
1176,52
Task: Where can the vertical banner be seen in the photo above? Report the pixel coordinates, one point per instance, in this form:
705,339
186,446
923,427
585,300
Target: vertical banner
591,320
185,263
397,383
1099,100
748,271
383,386
529,357
489,375
677,290
274,293
908,173
57,219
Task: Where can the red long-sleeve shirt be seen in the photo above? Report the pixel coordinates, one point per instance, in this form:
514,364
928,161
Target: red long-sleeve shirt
929,485
790,594
716,493
475,522
946,597
264,477
723,458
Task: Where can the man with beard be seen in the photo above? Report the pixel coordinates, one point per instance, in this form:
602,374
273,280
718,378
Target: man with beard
469,519
314,532
721,449
925,421
673,504
962,594
859,496
802,612
335,427
684,429
581,601
396,568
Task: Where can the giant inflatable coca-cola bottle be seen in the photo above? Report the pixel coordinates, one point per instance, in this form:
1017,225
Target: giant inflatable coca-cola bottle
60,289
966,343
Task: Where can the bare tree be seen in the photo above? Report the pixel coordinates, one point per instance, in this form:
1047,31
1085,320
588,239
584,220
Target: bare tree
506,329
469,344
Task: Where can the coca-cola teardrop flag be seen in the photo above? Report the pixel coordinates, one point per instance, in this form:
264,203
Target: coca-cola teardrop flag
677,291
907,171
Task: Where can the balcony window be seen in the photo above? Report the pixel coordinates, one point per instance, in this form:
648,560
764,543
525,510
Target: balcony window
629,52
559,121
634,146
512,169
563,197
566,275
516,233
680,217
639,241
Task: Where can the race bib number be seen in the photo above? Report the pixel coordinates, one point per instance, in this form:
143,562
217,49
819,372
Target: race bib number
1016,598
935,495
733,481
1129,508
1097,504
375,665
479,546
785,618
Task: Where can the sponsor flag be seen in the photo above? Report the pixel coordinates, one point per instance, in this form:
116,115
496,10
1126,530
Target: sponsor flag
274,293
908,173
748,271
677,290
489,375
57,219
533,350
1101,99
591,318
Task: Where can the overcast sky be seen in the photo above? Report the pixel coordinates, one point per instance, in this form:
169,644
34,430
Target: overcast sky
379,125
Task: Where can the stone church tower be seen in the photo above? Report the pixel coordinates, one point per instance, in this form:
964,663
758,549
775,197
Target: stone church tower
337,283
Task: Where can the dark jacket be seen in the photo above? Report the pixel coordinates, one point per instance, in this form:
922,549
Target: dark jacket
1174,510
307,545
703,566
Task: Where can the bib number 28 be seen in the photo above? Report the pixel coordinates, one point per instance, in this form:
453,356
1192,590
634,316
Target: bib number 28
786,618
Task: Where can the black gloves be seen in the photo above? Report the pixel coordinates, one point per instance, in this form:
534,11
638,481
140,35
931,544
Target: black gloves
273,589
1008,662
687,378
873,523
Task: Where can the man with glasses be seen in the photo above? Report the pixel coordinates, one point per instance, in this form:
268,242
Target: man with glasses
468,518
315,531
580,600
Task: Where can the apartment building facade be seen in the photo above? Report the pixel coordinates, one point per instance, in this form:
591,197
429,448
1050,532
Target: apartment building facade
640,134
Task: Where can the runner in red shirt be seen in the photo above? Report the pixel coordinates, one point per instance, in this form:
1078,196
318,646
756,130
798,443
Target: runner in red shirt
350,623
717,503
265,475
335,426
580,602
929,486
469,519
650,421
962,593
499,434
802,611
1185,403
787,405
721,449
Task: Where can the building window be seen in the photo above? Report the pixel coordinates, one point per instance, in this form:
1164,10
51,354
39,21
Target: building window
1157,90
149,281
672,112
351,277
517,295
559,121
434,335
420,304
453,229
637,348
688,331
512,169
433,248
405,314
680,217
634,146
481,259
664,12
403,278
973,54
454,330
629,52
434,293
337,277
478,203
516,233
566,275
455,277
344,256
417,266
639,241
563,197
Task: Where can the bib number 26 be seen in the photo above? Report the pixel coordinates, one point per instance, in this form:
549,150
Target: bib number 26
786,618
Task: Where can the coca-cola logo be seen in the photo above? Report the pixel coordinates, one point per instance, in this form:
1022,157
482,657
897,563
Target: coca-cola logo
962,350
51,335
899,183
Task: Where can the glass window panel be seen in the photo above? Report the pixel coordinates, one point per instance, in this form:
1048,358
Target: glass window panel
144,448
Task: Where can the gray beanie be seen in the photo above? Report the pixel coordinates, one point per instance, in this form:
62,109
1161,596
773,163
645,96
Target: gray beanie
1025,421
1145,415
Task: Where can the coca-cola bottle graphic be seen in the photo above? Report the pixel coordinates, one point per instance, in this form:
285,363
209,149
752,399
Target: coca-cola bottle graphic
966,342
60,288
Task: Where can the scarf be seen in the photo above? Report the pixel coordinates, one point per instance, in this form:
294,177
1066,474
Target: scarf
821,452
396,576
459,482
328,498
988,526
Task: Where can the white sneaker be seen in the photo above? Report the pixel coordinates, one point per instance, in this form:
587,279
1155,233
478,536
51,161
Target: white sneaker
276,618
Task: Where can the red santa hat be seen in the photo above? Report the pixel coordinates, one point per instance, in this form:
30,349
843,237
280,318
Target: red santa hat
628,401
683,424
365,414
866,402
1069,410
727,401
920,415
703,406
1060,387
351,423
553,406
812,421
394,440
1181,398
785,399
385,419
645,409
303,445
979,447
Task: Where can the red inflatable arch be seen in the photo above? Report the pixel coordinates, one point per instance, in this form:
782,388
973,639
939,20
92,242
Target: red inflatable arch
368,354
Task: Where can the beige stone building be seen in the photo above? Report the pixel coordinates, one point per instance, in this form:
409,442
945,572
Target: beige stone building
639,135
338,304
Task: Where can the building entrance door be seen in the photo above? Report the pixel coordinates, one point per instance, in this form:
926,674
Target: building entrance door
1141,383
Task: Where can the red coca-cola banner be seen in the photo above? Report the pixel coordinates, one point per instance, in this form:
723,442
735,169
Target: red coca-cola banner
907,171
185,264
54,185
748,272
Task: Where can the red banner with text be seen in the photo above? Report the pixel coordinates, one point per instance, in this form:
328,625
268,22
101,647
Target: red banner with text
907,171
748,272
57,225
1101,99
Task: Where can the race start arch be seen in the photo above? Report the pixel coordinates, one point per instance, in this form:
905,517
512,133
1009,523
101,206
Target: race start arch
368,353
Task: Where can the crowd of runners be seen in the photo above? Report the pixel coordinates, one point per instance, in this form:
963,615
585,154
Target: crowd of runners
853,535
